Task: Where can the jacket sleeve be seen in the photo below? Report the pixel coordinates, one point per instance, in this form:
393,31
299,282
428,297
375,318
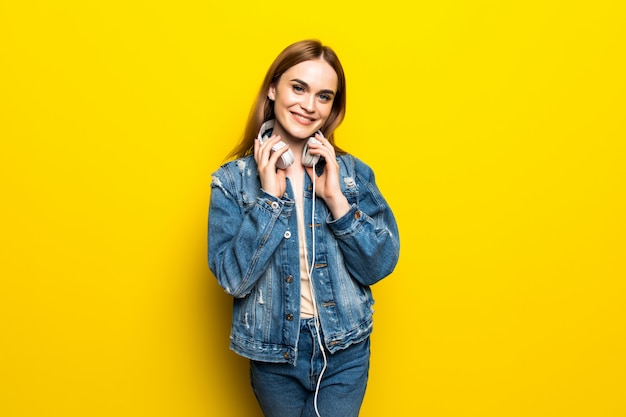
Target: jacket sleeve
368,234
242,236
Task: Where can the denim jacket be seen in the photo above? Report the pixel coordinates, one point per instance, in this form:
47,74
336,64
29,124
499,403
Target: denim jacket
253,252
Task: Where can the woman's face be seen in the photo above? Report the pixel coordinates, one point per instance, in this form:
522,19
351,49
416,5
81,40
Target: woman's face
303,99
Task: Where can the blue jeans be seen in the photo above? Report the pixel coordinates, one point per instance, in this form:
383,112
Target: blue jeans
284,390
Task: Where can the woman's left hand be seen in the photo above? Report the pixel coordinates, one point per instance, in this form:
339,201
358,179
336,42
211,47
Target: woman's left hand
327,185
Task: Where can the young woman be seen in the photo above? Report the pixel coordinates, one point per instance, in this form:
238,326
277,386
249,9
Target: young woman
299,246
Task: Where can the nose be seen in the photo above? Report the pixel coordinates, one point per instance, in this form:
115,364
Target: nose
308,103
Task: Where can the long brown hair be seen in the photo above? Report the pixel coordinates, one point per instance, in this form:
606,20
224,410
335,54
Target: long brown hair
263,108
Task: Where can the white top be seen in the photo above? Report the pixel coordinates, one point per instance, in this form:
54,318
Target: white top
306,295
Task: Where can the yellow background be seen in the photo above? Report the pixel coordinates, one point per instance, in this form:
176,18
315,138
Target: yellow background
497,132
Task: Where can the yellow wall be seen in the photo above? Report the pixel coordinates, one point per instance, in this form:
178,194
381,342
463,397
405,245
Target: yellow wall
497,132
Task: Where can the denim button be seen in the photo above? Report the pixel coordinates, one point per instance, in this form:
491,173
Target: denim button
287,234
289,317
357,214
286,355
289,279
274,205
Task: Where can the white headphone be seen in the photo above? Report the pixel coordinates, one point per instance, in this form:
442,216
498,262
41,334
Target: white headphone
287,158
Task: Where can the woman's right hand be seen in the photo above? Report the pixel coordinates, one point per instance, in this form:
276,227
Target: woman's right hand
273,180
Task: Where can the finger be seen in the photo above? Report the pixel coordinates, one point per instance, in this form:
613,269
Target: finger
326,144
277,154
256,150
265,148
322,139
273,140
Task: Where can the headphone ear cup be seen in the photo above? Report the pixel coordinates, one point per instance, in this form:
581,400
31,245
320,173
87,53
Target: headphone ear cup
309,160
285,160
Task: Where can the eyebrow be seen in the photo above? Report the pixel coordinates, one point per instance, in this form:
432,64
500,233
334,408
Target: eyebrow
326,91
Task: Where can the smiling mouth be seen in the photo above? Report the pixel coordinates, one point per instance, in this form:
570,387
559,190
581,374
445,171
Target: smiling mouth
302,118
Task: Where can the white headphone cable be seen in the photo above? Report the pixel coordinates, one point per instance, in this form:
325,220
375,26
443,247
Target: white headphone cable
315,311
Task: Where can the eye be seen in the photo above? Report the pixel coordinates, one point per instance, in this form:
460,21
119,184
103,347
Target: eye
325,97
298,88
